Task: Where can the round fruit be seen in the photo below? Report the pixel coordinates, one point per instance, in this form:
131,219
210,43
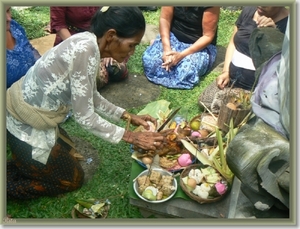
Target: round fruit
147,160
195,125
191,183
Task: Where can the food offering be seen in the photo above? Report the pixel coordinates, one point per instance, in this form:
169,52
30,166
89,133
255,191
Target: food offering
155,185
203,184
172,154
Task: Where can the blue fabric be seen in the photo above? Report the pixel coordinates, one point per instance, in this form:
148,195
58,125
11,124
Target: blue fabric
186,74
21,58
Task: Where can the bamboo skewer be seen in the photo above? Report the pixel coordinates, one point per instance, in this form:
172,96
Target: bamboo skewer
215,118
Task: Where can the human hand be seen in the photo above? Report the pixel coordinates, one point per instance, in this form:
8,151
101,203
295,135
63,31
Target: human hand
167,59
107,61
264,21
147,140
222,80
171,59
142,120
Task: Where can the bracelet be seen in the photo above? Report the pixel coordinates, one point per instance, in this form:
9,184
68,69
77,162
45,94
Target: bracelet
224,71
126,117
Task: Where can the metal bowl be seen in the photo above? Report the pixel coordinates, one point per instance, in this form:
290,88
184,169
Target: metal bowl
163,172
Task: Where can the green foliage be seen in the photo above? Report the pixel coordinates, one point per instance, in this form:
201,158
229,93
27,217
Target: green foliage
134,63
151,17
33,20
226,25
112,178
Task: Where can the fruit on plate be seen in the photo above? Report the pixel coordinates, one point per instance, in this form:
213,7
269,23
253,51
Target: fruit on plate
150,193
195,124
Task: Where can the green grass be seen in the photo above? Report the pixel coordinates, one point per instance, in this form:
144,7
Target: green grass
112,178
33,19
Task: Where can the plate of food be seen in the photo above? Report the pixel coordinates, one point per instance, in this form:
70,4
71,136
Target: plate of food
203,183
155,185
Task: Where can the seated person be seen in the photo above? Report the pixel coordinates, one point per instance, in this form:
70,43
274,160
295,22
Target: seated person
238,70
66,21
185,49
20,54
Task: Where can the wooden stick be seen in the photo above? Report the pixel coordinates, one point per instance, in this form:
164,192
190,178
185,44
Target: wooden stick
209,111
212,125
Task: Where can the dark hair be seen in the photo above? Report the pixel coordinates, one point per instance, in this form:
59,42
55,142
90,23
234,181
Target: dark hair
127,21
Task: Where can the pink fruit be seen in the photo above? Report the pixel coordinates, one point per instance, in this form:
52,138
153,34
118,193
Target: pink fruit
185,160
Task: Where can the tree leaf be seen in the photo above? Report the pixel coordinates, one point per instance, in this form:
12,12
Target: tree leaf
193,150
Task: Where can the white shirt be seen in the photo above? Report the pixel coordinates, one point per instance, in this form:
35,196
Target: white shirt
66,75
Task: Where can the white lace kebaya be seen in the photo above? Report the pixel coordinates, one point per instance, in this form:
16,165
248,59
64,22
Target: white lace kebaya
66,75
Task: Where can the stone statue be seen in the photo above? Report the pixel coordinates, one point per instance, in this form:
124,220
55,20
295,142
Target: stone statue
260,152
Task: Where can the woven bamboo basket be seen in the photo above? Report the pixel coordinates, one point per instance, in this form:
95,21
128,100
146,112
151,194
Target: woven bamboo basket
194,197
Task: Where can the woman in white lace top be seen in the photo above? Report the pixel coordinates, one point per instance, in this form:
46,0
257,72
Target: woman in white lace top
64,78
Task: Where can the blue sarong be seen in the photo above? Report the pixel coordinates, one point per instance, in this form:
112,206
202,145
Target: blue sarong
186,74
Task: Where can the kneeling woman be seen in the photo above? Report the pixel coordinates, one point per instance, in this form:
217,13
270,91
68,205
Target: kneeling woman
64,78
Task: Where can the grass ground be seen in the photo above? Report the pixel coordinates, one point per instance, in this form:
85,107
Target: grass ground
112,178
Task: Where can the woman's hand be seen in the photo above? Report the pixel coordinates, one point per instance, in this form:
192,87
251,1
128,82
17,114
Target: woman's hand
264,21
222,80
107,61
141,120
167,59
171,59
144,140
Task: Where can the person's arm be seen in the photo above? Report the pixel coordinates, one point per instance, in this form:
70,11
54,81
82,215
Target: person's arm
209,27
165,21
223,79
58,22
90,108
64,33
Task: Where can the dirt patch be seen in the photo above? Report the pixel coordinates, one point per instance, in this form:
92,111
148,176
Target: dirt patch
91,161
135,91
219,62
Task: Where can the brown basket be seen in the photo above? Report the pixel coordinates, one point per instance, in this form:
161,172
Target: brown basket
77,214
194,197
226,114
